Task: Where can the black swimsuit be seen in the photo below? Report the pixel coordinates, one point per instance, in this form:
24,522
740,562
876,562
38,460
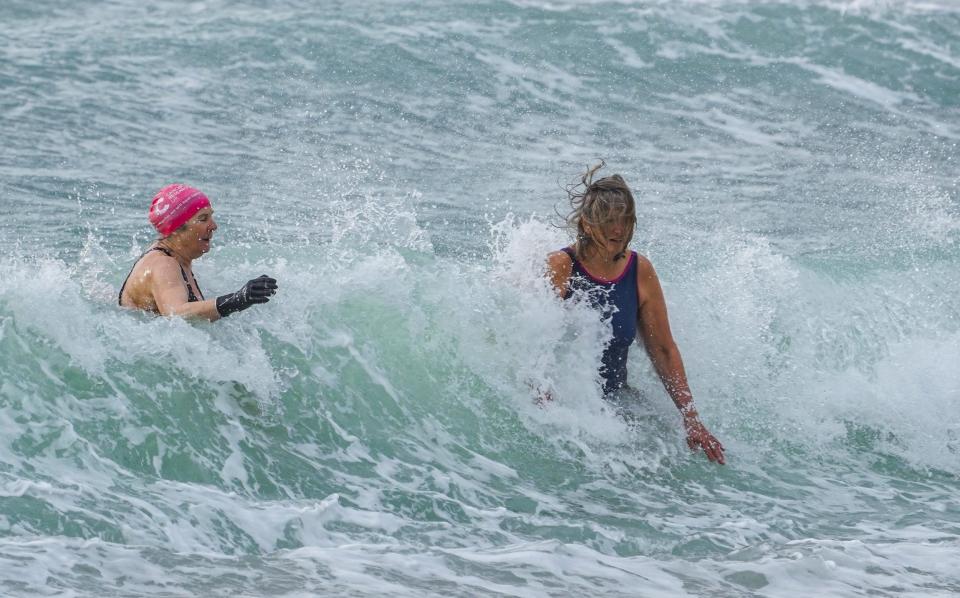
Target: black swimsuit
191,297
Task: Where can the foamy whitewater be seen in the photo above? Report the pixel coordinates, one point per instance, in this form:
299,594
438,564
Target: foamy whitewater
399,168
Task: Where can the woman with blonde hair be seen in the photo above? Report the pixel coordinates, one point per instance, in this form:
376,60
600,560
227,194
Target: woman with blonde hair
598,267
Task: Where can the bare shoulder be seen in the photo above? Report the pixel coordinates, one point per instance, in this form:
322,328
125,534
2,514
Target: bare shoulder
158,260
139,285
560,267
560,262
648,285
155,267
645,268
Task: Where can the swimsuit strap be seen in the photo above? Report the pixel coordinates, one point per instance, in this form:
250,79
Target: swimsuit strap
191,297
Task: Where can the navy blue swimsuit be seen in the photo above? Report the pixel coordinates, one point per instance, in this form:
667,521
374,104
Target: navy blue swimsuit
617,300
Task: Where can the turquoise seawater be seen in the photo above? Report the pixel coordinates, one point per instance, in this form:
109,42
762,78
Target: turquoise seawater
398,167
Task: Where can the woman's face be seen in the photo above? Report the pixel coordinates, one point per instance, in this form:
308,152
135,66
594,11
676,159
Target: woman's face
198,232
612,236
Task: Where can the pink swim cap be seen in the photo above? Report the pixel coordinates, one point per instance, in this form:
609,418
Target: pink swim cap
175,204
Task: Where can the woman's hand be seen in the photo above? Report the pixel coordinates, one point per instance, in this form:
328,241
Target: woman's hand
699,437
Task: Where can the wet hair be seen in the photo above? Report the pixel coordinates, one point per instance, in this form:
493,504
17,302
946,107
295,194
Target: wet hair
597,203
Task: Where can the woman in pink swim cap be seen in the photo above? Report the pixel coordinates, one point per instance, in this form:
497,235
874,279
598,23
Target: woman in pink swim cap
162,280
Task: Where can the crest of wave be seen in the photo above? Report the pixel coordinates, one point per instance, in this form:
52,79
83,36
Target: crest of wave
71,309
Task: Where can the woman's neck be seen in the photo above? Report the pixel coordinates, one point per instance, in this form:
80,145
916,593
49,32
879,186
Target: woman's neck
597,260
176,250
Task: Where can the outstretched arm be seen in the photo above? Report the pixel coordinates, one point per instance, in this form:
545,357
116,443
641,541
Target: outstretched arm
171,295
654,327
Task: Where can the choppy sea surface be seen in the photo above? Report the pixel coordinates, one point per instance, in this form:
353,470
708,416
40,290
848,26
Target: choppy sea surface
399,168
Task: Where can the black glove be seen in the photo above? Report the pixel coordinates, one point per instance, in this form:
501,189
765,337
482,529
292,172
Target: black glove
257,290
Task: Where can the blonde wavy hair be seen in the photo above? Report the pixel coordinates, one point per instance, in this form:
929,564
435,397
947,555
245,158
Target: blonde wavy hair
599,203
